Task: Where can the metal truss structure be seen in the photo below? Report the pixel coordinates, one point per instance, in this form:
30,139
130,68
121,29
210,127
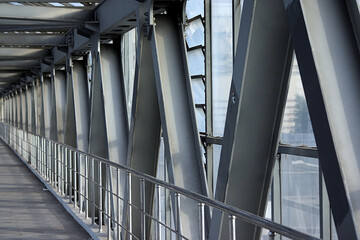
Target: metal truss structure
63,77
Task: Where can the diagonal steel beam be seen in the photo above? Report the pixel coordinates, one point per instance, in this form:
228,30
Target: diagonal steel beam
145,128
182,142
328,58
256,102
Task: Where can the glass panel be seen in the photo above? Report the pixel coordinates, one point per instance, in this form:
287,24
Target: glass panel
128,53
300,200
268,214
194,8
200,119
196,62
216,157
198,90
222,65
195,33
296,127
334,235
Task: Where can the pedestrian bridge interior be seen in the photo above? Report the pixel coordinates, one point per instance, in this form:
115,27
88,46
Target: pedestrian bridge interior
180,119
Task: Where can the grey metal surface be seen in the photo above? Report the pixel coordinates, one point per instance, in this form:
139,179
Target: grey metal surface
29,212
24,110
181,137
257,98
60,102
47,103
81,100
115,109
144,138
98,144
329,66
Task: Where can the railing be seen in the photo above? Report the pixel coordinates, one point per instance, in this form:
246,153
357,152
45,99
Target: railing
87,181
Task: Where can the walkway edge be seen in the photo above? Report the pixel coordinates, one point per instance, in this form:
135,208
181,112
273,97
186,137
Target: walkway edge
88,227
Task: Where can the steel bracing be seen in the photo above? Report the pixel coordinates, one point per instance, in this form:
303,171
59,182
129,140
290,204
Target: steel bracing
98,97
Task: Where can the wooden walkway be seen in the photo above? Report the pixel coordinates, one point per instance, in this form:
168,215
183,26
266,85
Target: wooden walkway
26,210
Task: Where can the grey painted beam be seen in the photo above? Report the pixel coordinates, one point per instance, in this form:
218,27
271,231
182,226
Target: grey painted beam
70,135
328,58
19,52
97,133
114,15
114,102
80,42
40,124
18,109
32,40
58,105
24,109
53,113
47,1
256,101
31,108
47,103
354,12
81,104
45,14
145,128
60,56
181,137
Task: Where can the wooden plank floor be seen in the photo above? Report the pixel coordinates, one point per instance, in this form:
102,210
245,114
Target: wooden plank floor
26,210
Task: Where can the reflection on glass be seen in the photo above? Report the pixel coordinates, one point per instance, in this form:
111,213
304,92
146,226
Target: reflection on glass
296,127
195,33
268,215
196,62
194,8
300,201
198,90
334,235
200,119
128,57
222,65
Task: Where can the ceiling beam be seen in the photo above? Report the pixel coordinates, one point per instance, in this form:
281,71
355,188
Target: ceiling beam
43,13
31,40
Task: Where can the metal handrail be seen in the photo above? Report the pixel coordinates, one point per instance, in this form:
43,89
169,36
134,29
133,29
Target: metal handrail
202,200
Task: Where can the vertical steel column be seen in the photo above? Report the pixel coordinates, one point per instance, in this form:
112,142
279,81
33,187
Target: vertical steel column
98,144
209,98
81,103
18,108
256,102
145,128
47,103
328,55
30,101
115,110
59,105
33,109
24,110
40,124
182,142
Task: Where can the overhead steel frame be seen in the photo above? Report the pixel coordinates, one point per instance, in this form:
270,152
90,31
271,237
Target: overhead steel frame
162,91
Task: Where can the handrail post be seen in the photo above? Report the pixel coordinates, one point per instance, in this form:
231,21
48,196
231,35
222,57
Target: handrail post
232,227
129,204
142,202
158,212
75,164
202,220
177,221
118,203
100,196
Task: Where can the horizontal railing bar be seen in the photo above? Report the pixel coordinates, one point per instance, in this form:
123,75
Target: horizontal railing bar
241,214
